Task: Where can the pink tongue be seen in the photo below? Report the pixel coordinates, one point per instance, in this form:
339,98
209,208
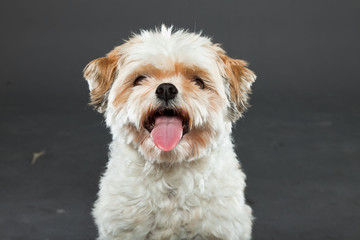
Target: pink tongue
167,132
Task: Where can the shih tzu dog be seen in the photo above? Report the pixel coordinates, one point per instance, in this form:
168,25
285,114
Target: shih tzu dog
170,99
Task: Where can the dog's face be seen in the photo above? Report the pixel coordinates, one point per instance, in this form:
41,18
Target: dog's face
170,96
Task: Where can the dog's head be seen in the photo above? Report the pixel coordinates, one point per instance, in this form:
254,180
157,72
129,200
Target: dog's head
172,96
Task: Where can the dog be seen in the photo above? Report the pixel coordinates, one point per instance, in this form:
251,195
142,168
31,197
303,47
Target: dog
170,98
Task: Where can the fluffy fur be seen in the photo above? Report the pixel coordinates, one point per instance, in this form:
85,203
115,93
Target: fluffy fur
196,190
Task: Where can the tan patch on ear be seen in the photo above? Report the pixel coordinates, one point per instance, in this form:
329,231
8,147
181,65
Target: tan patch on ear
240,79
100,74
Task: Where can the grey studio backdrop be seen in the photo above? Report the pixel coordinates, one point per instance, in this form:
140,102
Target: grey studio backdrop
298,144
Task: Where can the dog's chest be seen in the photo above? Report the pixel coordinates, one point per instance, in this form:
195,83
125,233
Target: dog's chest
176,208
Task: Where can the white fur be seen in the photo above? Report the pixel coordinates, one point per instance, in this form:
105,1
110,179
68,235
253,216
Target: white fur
177,195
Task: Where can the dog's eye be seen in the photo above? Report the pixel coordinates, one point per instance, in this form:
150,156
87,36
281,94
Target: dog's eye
198,81
138,80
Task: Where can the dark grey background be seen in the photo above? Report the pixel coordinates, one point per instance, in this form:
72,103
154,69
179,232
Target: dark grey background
298,144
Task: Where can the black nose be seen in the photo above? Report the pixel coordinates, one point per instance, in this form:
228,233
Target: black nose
166,91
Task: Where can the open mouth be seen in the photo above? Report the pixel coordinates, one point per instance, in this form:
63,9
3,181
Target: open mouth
166,127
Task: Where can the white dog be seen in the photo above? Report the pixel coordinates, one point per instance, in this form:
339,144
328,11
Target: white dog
169,99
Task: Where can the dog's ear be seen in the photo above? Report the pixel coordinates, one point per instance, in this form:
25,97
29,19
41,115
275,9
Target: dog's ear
100,74
239,79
